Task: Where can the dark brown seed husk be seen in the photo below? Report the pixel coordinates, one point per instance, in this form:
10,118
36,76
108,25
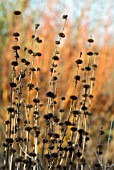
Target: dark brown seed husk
65,17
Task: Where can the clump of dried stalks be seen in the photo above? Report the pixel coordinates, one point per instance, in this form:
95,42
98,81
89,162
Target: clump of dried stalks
45,135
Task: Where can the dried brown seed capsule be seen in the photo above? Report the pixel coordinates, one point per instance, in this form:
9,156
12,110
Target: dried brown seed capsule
14,63
36,112
29,106
48,156
48,116
51,147
86,86
53,141
25,121
71,149
51,70
15,34
5,145
78,154
37,88
86,133
73,129
66,148
71,163
44,140
7,122
90,53
36,26
77,77
54,155
84,81
61,34
61,110
87,138
57,42
81,131
19,159
36,100
55,58
55,119
38,69
28,128
60,148
82,69
23,60
84,108
33,154
91,96
90,40
97,165
99,152
73,97
101,132
16,47
68,123
17,12
30,51
92,78
31,86
87,68
70,142
56,135
25,48
10,109
37,54
65,17
50,94
54,65
61,124
56,52
79,61
37,38
19,139
9,140
35,128
55,102
32,69
27,63
84,95
50,134
94,65
39,41
33,36
12,84
62,98
75,112
96,53
18,119
26,161
54,78
37,132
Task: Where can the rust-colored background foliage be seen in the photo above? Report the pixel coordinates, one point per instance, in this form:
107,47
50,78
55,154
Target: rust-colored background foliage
86,18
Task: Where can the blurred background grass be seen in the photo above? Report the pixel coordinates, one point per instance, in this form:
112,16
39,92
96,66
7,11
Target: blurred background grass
86,18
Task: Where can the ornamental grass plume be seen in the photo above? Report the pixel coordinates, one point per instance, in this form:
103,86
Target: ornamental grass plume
44,135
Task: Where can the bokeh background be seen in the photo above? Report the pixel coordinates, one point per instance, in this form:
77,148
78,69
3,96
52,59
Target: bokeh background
86,18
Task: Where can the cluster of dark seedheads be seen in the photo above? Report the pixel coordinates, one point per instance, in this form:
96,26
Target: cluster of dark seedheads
39,138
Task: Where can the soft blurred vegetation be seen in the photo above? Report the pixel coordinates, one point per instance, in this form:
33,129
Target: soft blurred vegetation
86,18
